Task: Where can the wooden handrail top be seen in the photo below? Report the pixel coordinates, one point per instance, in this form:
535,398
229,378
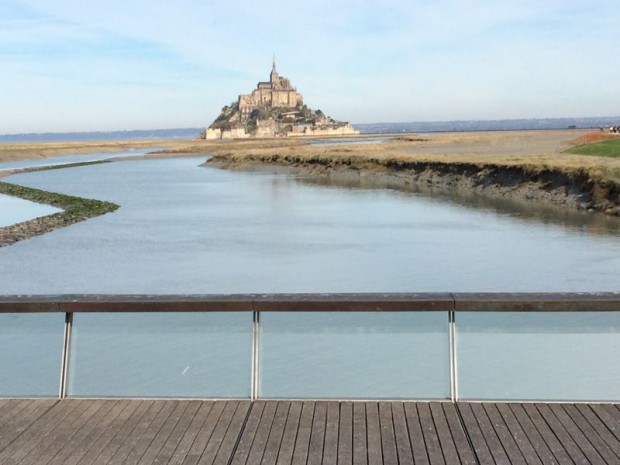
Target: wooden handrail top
374,302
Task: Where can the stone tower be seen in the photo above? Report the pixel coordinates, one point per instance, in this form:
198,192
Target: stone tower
274,76
276,93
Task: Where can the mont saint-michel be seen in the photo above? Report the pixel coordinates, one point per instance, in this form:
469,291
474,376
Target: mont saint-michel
274,109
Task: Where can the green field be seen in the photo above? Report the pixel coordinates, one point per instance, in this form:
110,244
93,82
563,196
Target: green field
606,148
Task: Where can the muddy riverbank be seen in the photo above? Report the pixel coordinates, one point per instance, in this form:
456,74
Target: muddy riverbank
575,189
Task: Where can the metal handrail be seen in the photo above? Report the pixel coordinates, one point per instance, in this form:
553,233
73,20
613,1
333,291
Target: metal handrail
451,303
341,302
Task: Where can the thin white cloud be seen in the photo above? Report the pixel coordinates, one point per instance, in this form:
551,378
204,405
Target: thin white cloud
360,60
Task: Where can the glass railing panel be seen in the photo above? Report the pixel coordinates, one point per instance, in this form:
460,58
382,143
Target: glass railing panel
538,356
350,355
31,346
161,355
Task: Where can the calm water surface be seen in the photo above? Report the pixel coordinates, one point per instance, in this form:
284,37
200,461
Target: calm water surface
183,228
14,210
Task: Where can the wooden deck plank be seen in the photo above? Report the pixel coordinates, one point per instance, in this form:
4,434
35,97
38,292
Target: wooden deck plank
330,449
197,425
9,404
592,433
401,434
388,436
481,449
80,437
491,438
3,402
599,426
131,448
249,433
611,421
536,439
416,436
563,436
558,450
191,432
274,442
47,439
262,433
345,434
161,437
219,433
287,446
360,445
613,409
228,444
30,439
26,415
99,432
373,434
612,424
513,451
444,434
519,436
576,434
431,438
192,455
22,415
166,453
302,443
11,407
121,433
317,436
466,454
120,425
56,443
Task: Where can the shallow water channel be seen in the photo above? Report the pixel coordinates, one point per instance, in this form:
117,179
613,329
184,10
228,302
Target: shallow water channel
14,210
183,228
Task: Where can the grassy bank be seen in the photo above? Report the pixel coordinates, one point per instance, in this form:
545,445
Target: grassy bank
607,148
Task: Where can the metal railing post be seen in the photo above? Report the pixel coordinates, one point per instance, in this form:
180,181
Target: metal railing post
454,386
64,369
255,347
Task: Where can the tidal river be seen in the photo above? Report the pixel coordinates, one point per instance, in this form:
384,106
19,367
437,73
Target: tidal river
183,228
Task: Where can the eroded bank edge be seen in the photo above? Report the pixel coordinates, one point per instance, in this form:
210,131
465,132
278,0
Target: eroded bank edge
576,190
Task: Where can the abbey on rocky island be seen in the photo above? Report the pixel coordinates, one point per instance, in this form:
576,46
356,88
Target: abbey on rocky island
273,109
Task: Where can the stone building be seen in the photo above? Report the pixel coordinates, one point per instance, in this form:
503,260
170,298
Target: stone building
273,109
278,92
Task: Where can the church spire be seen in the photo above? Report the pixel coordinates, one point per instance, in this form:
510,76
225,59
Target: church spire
273,77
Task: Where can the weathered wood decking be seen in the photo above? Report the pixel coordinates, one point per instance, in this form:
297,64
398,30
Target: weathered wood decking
80,432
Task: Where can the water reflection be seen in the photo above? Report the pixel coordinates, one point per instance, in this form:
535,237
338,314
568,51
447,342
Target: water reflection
531,212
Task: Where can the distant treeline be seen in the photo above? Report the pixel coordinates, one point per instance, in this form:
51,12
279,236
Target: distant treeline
138,134
374,128
490,125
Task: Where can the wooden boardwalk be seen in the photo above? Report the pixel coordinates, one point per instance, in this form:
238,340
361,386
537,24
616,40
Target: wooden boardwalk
81,432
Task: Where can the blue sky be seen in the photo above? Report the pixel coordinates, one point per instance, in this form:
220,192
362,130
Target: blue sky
77,65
